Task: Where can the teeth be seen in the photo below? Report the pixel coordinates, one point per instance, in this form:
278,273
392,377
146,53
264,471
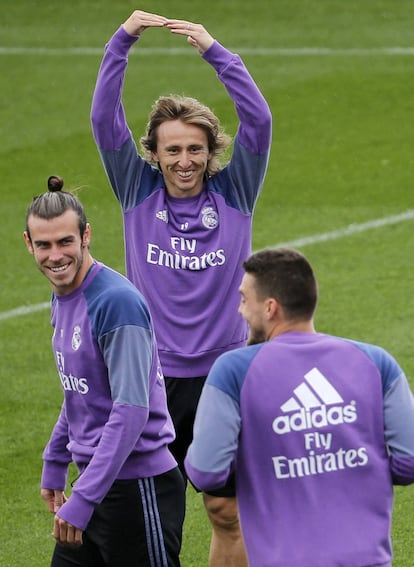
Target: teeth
184,173
59,268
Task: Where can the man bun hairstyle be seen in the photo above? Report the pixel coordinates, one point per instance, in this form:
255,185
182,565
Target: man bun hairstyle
54,183
54,203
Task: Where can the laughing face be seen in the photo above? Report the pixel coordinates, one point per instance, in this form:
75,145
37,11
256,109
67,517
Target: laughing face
59,251
182,154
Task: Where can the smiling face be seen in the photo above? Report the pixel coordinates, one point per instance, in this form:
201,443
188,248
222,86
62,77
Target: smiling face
182,154
59,251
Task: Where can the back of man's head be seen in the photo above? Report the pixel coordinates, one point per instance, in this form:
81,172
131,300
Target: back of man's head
287,276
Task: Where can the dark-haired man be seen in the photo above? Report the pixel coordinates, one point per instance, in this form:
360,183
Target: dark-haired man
317,428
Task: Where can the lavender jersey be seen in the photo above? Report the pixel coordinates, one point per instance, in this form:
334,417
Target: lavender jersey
114,422
318,429
185,255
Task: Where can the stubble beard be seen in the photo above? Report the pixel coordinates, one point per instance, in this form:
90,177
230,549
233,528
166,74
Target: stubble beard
61,287
256,336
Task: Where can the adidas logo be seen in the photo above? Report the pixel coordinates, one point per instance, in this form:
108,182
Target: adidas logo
307,394
315,403
162,215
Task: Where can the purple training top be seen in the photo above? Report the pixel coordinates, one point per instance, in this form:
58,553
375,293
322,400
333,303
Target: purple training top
114,422
318,429
185,255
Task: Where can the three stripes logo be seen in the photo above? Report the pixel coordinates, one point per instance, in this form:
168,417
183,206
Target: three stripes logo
314,393
315,403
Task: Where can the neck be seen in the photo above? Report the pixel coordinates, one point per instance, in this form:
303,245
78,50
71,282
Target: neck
87,265
281,327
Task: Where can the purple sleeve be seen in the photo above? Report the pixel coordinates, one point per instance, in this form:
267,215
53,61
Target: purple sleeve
248,164
402,469
119,438
399,430
398,411
109,125
210,457
255,129
56,457
203,480
108,117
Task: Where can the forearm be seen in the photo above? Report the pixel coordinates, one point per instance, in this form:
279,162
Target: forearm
109,124
255,129
118,440
56,457
211,455
399,430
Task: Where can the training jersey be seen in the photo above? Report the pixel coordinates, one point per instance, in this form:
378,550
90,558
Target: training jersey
185,255
317,428
114,422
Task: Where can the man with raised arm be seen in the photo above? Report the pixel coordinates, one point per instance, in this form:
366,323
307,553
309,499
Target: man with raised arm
187,224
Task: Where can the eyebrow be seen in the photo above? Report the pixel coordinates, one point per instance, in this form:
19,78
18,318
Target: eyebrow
173,146
60,241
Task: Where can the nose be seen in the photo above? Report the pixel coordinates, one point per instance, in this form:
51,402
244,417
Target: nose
185,159
55,254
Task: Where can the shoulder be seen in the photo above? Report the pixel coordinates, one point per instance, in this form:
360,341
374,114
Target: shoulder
230,369
386,364
114,301
109,283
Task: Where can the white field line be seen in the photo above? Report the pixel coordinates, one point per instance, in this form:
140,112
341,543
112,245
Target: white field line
24,310
264,51
350,229
305,241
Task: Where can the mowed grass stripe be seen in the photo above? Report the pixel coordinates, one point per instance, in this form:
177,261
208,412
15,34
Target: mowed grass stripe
262,51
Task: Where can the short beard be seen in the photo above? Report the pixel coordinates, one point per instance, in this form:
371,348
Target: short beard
256,337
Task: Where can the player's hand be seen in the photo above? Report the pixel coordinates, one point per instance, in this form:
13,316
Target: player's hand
197,35
139,21
54,499
65,533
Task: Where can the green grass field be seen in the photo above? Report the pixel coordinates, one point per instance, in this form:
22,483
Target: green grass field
340,187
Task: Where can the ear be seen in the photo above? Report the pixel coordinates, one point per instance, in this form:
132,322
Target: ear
86,240
28,242
271,308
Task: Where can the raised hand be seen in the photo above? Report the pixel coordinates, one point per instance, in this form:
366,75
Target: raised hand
139,21
197,35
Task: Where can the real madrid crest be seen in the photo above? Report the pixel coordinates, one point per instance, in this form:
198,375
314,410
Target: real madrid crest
210,217
76,338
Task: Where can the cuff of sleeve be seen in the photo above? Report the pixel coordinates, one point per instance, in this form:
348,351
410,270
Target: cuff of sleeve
54,475
205,481
121,42
402,469
76,511
217,55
